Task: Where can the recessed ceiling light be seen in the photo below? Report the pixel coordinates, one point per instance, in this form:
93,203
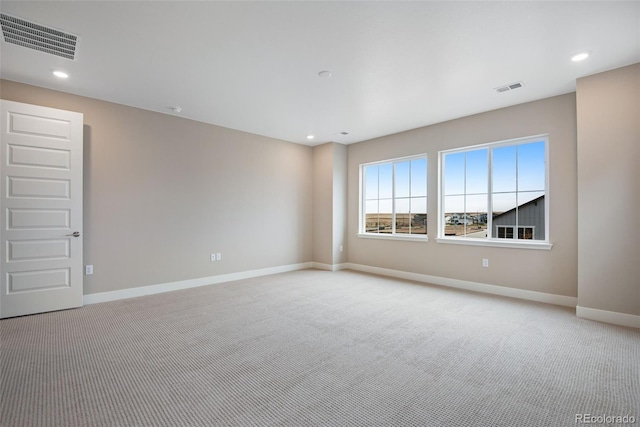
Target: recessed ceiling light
60,74
580,56
325,74
310,136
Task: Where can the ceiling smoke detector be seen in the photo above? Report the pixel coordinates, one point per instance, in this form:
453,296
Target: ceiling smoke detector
509,87
34,36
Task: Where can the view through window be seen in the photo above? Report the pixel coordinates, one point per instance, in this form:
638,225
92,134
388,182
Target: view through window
495,191
395,197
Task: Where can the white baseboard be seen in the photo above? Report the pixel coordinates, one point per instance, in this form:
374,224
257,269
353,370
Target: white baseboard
622,319
329,267
192,283
470,286
605,316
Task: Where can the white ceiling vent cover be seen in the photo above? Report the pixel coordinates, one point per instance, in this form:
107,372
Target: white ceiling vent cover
509,87
34,36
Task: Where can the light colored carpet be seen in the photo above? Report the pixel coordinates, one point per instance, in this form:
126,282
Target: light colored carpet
315,348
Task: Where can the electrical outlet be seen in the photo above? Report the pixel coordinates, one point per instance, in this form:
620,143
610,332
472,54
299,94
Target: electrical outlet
213,257
485,262
88,269
218,256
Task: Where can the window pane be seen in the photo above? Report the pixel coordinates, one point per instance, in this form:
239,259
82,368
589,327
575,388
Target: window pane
476,204
386,206
477,168
453,173
402,179
418,215
403,213
419,205
504,169
476,216
386,216
504,210
453,205
371,216
531,167
503,204
385,181
371,182
531,213
419,178
453,208
371,206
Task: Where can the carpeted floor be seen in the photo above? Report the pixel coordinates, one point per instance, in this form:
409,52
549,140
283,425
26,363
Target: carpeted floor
316,348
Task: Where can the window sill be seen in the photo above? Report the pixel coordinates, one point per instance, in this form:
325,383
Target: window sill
545,246
393,237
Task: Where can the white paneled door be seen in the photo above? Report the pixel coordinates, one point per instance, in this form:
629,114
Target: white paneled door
41,218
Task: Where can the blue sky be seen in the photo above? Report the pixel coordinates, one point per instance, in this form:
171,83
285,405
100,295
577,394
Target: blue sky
518,176
410,187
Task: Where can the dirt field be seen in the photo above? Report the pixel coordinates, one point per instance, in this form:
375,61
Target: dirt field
458,230
382,223
405,223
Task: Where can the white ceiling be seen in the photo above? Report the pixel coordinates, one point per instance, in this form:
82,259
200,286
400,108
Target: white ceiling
254,66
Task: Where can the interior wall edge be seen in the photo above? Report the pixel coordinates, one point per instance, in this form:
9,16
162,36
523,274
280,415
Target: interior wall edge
329,267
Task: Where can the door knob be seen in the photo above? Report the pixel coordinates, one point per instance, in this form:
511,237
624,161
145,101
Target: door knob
75,234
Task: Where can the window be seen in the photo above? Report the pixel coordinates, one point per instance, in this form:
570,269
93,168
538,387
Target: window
506,232
495,191
394,198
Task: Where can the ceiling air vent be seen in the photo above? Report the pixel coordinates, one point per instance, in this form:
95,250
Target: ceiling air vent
34,36
509,87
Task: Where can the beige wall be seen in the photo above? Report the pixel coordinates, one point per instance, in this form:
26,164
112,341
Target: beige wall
553,271
329,203
163,192
323,203
608,107
340,202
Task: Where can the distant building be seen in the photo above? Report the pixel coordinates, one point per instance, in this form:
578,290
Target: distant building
530,221
460,219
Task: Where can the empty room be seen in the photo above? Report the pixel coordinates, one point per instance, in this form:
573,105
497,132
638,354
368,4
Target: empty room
319,213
